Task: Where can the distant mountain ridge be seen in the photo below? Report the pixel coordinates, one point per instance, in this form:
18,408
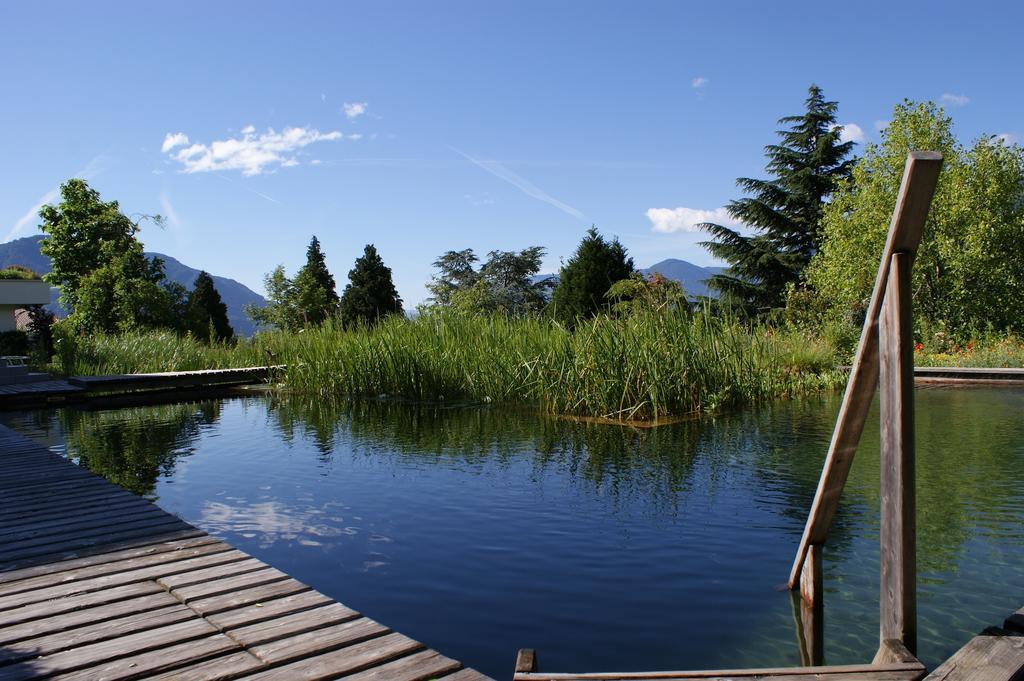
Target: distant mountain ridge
693,278
236,296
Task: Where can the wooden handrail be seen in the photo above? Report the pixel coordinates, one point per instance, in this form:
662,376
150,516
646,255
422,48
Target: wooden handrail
920,177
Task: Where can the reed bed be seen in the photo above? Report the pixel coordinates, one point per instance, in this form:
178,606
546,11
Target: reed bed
647,367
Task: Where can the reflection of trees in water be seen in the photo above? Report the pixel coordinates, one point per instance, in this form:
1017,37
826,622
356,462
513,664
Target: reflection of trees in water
969,460
651,464
134,446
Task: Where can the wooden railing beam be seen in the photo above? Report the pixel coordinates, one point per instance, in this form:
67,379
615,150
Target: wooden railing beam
898,535
920,176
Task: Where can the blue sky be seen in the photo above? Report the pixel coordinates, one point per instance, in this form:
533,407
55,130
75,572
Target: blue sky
428,126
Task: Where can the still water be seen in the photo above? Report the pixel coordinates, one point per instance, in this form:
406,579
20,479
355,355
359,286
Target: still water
479,530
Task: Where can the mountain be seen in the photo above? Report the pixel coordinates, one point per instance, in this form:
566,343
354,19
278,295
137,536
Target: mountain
236,296
692,277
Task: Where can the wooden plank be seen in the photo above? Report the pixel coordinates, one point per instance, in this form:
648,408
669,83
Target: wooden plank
312,642
920,176
91,499
113,567
347,660
995,655
109,629
294,624
897,535
254,595
231,569
48,609
271,609
96,653
93,544
870,675
526,660
865,673
112,520
175,542
65,516
421,666
95,535
86,616
146,573
861,671
217,669
166,658
215,587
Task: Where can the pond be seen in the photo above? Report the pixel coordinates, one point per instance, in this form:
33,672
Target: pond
480,530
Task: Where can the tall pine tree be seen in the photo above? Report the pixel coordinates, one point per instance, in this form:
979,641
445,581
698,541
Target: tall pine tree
586,278
207,313
785,212
316,296
370,293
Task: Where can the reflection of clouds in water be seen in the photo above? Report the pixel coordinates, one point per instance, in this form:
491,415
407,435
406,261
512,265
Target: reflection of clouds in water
272,521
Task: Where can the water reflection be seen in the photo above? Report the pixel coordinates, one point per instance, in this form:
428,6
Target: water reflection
553,533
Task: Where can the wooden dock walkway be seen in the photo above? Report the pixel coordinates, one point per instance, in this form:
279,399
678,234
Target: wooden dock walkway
97,583
58,390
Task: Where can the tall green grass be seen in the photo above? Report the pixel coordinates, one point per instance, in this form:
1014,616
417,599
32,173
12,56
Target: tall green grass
648,366
652,366
150,351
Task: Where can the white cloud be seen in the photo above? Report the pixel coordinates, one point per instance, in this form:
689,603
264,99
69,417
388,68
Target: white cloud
524,185
354,110
699,82
355,136
1008,138
172,140
851,132
881,125
252,153
955,100
682,219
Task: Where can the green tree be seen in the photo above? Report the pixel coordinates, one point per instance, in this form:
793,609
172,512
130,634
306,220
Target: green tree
370,293
125,293
98,262
510,279
207,314
785,212
456,272
505,282
316,295
281,310
969,270
585,279
638,293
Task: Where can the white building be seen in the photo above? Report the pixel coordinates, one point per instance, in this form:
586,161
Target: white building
16,294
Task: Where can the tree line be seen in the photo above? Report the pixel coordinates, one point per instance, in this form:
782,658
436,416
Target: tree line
805,252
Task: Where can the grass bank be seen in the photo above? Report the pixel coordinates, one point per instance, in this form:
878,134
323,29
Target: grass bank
643,367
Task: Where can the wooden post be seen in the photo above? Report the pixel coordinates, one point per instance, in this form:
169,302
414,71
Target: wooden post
898,532
526,660
920,176
811,609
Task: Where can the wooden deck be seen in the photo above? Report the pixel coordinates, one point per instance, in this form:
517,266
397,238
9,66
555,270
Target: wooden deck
97,583
76,388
